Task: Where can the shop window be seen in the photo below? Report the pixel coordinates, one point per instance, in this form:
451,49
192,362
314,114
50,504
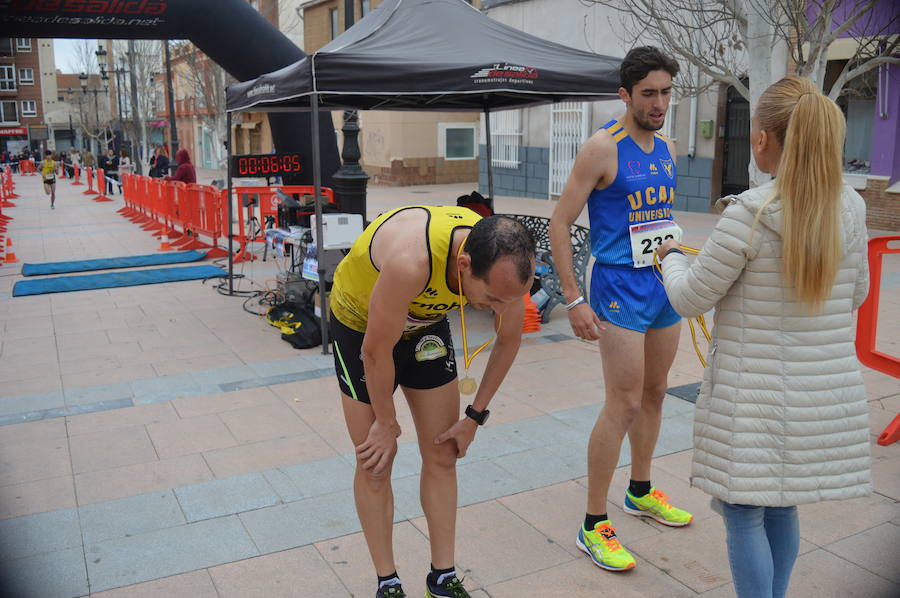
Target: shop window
29,108
857,101
506,138
456,141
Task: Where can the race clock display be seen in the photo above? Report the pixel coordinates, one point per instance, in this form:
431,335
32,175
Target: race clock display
265,165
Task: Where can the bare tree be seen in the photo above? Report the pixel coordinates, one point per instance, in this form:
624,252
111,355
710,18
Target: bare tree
143,64
206,81
733,41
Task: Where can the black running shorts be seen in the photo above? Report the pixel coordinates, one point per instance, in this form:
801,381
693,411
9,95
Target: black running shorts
421,362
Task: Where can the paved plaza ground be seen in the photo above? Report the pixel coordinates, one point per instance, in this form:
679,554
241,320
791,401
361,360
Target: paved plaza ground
160,441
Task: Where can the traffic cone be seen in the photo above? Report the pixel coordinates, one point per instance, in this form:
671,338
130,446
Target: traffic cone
10,258
532,320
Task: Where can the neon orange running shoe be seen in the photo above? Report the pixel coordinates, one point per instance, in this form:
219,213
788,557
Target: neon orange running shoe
604,548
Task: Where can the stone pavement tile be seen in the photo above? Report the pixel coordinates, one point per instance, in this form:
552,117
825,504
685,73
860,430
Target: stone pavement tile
196,584
32,460
40,385
677,464
323,413
583,579
539,467
138,415
50,575
41,496
288,574
885,478
484,535
33,348
144,478
167,552
879,420
281,366
349,557
37,534
130,516
580,418
264,422
564,397
484,480
701,568
879,385
508,408
182,365
854,515
557,511
876,550
151,385
125,373
820,573
178,437
313,478
224,401
224,375
111,448
302,522
94,394
541,431
226,497
31,402
268,454
49,430
406,497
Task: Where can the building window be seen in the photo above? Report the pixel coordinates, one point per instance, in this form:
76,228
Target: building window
29,108
334,22
364,8
506,137
26,76
8,112
456,141
23,44
6,46
7,77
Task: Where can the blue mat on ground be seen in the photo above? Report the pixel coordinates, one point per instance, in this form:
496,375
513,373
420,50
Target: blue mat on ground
131,261
63,284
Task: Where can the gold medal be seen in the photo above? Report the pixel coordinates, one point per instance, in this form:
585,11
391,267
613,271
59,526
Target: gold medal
468,386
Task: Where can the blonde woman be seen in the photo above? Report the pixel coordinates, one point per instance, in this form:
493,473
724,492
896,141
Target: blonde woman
781,419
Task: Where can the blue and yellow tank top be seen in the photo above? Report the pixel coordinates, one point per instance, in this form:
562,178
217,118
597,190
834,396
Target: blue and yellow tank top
356,274
643,191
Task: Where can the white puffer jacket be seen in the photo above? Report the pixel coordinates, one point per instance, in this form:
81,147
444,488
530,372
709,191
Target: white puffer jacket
782,417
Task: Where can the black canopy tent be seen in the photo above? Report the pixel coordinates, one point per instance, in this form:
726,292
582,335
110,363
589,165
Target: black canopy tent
424,55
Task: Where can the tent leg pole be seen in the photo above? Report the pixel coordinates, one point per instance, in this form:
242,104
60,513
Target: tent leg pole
230,206
490,161
317,182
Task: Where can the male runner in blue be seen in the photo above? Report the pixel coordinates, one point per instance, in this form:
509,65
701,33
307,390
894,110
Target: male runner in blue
625,173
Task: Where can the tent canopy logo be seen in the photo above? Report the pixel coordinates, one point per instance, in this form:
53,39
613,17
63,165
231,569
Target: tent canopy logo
502,72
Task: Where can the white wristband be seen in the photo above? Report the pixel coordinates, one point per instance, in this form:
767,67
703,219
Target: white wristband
578,301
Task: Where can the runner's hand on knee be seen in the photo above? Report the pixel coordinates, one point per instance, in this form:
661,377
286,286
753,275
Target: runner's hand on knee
462,432
585,323
379,448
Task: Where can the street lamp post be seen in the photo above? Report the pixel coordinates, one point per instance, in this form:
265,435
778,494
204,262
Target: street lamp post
101,62
83,80
350,180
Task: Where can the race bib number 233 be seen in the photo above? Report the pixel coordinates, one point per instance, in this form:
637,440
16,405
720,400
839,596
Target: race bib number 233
647,237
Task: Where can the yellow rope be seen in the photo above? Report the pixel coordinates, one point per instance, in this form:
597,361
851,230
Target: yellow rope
701,321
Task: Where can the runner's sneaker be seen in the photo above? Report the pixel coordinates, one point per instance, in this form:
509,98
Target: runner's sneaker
655,504
391,591
603,547
449,588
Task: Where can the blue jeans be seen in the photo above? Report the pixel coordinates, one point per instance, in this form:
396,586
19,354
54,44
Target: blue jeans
762,546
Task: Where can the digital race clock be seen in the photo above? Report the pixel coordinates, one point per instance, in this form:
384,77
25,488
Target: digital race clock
265,165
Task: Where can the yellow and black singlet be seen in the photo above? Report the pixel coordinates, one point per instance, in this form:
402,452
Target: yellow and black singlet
356,274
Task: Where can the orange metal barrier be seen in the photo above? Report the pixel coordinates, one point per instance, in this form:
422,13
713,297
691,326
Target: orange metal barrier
89,177
76,175
867,328
101,186
8,188
27,167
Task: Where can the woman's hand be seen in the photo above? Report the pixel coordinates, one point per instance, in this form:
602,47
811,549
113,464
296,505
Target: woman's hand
665,247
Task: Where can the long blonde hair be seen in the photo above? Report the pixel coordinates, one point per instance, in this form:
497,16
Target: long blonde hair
810,128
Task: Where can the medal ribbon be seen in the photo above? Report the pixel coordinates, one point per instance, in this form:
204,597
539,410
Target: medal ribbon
701,321
467,359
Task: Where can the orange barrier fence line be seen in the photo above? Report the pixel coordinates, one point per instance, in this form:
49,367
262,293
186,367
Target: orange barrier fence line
76,175
101,186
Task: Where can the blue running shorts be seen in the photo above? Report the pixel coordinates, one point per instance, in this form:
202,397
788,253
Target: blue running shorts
631,298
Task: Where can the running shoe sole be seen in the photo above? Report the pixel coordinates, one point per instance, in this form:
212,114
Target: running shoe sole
600,564
639,513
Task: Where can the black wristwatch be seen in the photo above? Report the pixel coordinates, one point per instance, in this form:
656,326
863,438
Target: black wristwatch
479,417
671,250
